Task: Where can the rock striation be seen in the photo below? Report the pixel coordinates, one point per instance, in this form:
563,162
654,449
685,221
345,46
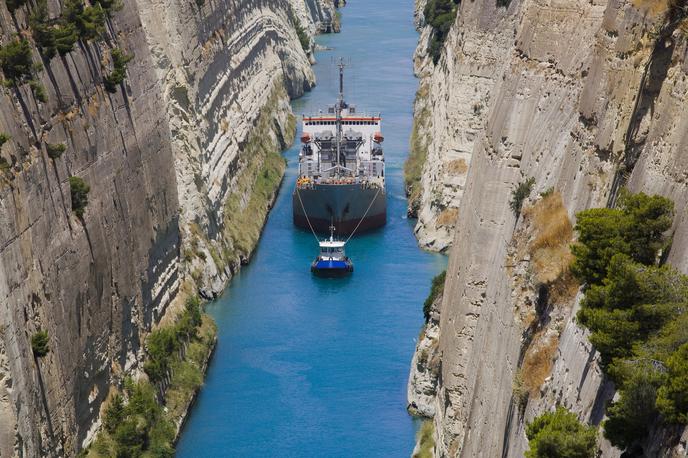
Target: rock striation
163,156
584,97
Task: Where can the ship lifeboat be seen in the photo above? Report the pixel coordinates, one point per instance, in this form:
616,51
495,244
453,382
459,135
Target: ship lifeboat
378,137
306,138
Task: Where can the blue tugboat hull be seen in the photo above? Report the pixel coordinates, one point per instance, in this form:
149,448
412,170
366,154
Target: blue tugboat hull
324,268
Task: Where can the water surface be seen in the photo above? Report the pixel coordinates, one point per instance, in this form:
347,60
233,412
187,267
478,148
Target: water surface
317,367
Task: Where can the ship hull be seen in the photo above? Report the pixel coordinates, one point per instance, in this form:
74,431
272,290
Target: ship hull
343,205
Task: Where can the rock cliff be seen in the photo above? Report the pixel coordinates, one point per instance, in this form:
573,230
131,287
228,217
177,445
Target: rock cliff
173,156
584,97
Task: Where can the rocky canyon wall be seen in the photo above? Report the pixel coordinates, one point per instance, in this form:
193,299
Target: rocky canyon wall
584,97
201,114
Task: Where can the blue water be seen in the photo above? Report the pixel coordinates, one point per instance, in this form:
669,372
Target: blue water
318,367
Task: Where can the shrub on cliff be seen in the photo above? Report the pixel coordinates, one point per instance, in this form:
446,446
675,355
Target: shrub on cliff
636,228
79,192
559,434
55,150
630,417
303,37
137,428
163,344
440,15
520,194
15,61
435,290
4,138
637,313
119,64
66,36
426,440
39,343
672,397
633,304
43,33
38,91
89,21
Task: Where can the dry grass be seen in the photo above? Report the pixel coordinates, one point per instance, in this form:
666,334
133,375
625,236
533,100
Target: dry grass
550,252
652,7
448,217
538,362
457,167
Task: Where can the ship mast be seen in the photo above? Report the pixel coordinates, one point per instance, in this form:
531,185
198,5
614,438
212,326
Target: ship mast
338,109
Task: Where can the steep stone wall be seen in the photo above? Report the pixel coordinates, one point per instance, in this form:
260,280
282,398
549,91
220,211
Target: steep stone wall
162,156
584,97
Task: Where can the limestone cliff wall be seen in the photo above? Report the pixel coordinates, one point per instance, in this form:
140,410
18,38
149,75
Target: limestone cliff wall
584,97
162,156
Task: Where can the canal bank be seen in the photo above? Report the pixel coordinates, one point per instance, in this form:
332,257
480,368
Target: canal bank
317,367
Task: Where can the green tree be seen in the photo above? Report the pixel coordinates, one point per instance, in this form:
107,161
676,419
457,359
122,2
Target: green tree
79,192
16,62
634,303
630,417
89,21
672,396
560,434
43,33
114,414
635,229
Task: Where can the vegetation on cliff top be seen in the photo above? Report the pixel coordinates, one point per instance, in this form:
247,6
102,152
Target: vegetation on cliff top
635,309
559,434
440,15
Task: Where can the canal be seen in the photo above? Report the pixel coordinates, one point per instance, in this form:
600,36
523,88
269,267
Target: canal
318,367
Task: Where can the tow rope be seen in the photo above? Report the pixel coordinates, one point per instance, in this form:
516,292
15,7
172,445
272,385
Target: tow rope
352,232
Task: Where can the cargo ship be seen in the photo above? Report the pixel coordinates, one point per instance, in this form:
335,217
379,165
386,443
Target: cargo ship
341,179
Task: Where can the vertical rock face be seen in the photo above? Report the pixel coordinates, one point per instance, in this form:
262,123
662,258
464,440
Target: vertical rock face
584,97
162,156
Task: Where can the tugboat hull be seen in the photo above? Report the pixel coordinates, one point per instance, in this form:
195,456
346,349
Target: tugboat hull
331,268
341,205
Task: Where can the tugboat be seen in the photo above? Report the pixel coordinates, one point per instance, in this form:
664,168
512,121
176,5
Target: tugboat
341,178
332,260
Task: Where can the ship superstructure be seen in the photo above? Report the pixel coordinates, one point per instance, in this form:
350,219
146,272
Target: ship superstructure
341,179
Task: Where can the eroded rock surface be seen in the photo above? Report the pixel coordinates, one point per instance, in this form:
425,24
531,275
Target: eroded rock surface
585,97
163,155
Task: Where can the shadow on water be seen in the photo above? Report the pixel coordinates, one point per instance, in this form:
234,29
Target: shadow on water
310,366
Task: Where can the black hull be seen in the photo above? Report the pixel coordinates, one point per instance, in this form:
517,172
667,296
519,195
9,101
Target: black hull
344,206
